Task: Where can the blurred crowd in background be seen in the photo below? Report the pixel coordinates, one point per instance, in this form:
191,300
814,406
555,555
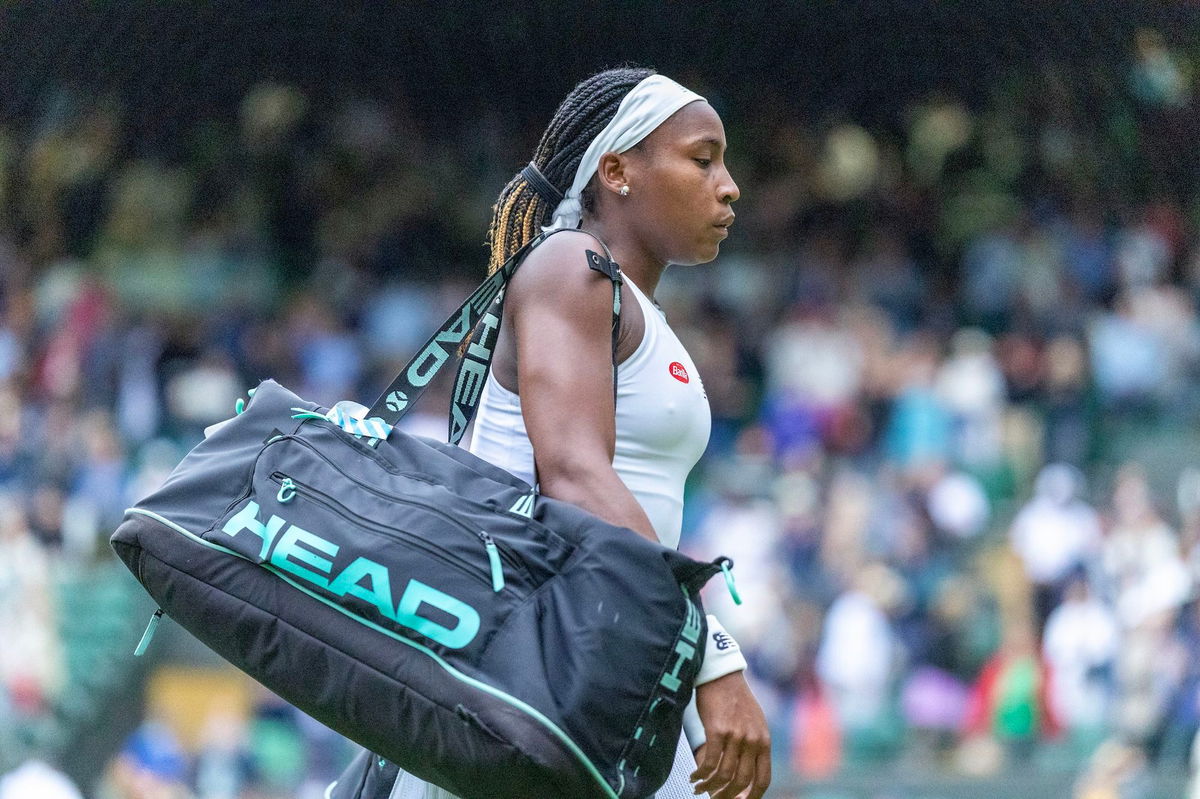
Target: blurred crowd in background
953,363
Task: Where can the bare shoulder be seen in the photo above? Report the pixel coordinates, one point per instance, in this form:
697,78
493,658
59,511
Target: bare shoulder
557,290
557,272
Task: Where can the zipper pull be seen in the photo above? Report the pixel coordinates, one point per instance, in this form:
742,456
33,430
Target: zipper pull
729,583
494,560
287,490
149,634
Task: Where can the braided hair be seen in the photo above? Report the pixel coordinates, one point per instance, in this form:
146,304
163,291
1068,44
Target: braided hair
520,212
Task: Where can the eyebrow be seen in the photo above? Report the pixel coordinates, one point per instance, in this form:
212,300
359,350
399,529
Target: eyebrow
714,142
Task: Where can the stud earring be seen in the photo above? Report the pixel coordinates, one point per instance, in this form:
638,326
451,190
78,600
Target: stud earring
625,191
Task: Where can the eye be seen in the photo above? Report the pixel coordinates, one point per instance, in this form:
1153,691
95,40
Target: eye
704,162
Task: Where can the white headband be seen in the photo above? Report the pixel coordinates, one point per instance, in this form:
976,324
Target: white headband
641,111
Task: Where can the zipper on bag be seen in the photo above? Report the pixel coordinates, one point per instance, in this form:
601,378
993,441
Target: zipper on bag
148,635
505,556
493,560
287,491
329,503
513,563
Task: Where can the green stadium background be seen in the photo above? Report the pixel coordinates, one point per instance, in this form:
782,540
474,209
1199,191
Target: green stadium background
952,349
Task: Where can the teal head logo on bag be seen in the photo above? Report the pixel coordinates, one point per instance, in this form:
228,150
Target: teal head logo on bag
309,557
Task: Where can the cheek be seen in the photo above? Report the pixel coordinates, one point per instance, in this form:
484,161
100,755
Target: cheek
685,202
678,211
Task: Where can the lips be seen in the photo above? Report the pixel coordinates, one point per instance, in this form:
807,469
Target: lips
723,226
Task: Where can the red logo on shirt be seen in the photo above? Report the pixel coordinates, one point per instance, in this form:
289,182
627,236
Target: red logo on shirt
678,372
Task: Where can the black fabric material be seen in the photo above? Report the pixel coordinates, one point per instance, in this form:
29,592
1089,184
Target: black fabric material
367,777
477,353
608,267
545,189
597,629
404,390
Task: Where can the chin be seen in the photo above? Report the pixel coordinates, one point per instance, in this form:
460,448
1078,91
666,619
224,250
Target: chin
710,255
700,256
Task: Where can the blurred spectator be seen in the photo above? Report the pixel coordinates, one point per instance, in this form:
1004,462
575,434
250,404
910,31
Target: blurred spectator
1087,256
1010,701
958,506
971,387
859,654
889,279
991,271
1054,533
31,667
36,780
814,368
1140,556
920,428
1067,434
223,762
1128,360
151,765
1079,647
1157,77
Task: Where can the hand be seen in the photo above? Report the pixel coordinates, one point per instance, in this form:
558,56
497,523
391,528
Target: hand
735,760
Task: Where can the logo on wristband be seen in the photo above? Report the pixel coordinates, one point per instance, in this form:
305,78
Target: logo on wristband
723,641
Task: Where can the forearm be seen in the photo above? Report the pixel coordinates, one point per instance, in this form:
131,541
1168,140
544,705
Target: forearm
599,491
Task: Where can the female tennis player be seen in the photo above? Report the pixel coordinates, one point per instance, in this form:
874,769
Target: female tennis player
632,164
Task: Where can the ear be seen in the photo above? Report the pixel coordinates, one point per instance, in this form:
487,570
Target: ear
612,172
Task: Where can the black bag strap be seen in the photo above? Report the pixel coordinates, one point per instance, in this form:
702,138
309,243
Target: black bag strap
403,392
606,266
477,356
479,318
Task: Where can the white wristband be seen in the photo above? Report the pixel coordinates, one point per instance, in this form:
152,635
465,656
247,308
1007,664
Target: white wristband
722,655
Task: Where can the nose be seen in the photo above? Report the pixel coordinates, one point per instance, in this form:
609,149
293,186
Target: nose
727,190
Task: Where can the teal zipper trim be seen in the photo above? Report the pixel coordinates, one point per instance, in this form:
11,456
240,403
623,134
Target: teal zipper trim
287,491
331,504
494,561
729,583
434,509
529,710
149,634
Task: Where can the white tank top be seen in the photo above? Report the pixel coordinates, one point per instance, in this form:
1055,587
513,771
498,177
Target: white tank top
663,424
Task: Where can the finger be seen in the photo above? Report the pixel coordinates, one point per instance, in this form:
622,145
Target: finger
711,757
743,777
708,782
699,753
762,774
720,784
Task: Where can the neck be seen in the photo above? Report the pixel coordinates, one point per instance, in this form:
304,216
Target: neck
634,259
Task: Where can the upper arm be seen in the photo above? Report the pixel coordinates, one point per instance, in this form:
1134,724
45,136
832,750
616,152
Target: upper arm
561,312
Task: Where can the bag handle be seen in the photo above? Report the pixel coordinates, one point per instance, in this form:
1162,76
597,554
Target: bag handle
470,333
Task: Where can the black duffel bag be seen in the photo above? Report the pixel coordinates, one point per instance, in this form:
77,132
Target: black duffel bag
425,604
